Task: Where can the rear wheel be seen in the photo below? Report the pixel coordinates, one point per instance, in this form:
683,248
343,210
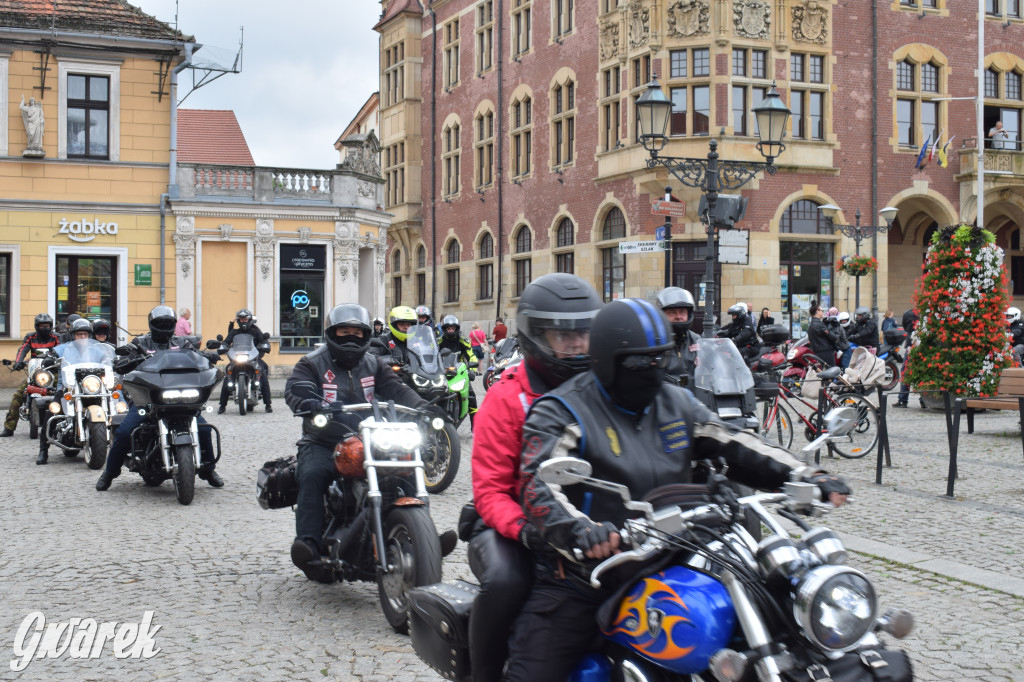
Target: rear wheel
243,394
96,453
185,474
413,559
892,376
444,455
862,439
776,424
33,424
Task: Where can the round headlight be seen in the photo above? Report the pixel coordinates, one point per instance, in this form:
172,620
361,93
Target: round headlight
43,379
54,407
439,382
320,421
383,439
409,439
92,384
419,381
437,423
835,607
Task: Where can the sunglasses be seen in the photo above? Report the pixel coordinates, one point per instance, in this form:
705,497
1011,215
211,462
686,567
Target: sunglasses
636,363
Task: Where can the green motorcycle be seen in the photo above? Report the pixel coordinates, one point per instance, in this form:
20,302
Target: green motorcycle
459,375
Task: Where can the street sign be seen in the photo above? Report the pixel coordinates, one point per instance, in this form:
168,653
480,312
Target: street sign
675,209
733,246
143,274
659,232
641,247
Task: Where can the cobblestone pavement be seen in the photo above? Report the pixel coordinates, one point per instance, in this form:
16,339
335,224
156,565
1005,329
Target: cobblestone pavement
230,605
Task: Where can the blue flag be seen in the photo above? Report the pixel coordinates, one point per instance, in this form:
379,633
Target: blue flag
921,158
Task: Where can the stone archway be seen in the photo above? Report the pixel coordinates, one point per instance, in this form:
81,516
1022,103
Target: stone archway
919,210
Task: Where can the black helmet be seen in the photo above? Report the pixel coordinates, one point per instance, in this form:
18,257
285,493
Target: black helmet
450,321
628,341
423,311
675,297
861,313
162,321
243,318
737,309
378,321
100,326
44,326
347,350
560,302
79,325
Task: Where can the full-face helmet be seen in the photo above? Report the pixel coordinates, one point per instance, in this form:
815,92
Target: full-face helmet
44,326
676,297
423,315
450,328
243,319
402,313
349,349
162,321
1012,315
630,342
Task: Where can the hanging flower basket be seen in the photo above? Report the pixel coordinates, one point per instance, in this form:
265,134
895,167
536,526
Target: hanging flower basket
858,266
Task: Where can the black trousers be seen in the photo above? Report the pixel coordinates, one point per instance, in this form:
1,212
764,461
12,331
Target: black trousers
505,571
264,386
315,473
556,627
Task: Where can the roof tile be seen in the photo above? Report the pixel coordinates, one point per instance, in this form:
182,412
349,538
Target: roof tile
112,17
211,136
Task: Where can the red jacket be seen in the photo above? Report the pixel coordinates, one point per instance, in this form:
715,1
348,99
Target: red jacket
497,442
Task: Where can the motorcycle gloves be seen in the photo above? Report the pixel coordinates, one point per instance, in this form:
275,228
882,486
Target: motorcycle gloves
595,539
828,484
18,366
530,537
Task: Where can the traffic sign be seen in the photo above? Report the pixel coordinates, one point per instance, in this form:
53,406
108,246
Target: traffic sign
659,232
675,209
641,247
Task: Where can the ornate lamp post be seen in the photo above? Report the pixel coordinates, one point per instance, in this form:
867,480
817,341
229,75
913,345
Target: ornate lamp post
710,175
858,232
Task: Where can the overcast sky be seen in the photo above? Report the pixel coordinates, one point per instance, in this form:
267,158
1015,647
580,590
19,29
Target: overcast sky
308,66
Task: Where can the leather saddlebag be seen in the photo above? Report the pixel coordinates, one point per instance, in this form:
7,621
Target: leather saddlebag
865,665
439,626
276,483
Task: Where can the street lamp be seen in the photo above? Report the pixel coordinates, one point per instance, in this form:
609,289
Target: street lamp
653,111
858,232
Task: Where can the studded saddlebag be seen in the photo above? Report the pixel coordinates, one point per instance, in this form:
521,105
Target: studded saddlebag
276,484
865,665
439,626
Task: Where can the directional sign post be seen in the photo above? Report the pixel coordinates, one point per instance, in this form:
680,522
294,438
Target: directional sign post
641,247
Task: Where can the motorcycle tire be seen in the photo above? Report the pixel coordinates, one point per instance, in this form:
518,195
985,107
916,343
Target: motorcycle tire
185,475
243,394
892,376
414,556
33,430
488,379
96,452
440,471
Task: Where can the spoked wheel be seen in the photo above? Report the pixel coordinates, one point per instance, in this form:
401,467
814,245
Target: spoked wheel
862,439
776,424
413,558
892,376
185,474
243,394
96,452
444,456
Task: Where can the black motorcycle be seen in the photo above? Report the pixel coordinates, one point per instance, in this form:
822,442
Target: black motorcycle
243,370
377,525
170,388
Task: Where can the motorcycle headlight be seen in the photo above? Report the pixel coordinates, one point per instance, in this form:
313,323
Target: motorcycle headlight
458,385
835,607
92,384
438,382
121,407
242,357
502,363
54,407
420,381
186,395
791,354
42,379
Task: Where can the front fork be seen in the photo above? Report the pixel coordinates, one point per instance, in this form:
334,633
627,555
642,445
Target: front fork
166,441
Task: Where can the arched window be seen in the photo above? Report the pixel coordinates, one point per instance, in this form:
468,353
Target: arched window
486,249
803,217
453,252
565,233
563,123
523,266
421,257
521,136
613,263
917,111
614,225
396,261
451,149
564,239
524,240
485,271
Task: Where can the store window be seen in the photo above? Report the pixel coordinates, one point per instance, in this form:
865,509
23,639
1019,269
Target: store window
303,268
87,286
805,271
5,294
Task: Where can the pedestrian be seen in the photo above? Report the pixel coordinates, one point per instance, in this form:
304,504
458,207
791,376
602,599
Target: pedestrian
750,315
909,324
184,326
765,320
888,321
478,342
499,332
821,337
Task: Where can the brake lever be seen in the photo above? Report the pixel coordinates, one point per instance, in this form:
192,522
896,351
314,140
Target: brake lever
641,553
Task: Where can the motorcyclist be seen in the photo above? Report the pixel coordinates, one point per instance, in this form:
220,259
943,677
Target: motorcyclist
79,329
345,374
101,331
678,305
634,429
865,329
64,329
741,331
246,325
822,338
392,342
162,321
453,340
378,327
1016,326
424,317
42,338
553,316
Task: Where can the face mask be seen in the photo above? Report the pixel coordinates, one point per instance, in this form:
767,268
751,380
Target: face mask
635,390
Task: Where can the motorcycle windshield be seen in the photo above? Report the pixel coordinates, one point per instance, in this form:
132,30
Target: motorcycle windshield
242,343
508,348
422,345
86,351
720,368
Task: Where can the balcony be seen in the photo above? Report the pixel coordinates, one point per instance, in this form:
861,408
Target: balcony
1007,162
220,183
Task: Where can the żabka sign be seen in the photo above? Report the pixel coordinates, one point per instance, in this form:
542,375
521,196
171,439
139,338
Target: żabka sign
85,230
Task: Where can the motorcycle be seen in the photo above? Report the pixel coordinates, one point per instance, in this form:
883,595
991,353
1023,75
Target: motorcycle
426,375
506,354
377,526
705,598
724,384
170,388
86,402
458,375
39,391
243,370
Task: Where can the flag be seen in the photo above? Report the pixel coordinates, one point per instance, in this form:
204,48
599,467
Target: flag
943,158
921,160
933,152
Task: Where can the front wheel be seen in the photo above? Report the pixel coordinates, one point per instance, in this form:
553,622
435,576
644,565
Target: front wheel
96,455
243,393
185,474
33,423
413,559
776,424
444,453
862,439
892,376
488,379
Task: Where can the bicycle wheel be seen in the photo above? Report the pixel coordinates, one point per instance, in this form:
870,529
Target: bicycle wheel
776,424
864,436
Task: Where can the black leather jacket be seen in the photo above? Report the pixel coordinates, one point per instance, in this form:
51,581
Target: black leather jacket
683,360
388,346
823,340
865,333
1017,333
141,347
642,452
741,332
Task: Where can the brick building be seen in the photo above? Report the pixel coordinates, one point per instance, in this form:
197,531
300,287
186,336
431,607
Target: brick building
510,145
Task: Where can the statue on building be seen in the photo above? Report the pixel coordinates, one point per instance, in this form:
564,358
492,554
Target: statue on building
32,116
361,154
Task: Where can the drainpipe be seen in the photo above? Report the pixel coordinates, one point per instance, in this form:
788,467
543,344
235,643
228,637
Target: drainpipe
163,247
433,162
874,152
499,171
172,169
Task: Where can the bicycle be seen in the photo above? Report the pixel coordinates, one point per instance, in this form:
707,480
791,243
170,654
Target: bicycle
777,422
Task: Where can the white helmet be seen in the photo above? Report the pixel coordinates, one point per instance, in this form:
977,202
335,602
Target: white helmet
743,305
1012,315
844,318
